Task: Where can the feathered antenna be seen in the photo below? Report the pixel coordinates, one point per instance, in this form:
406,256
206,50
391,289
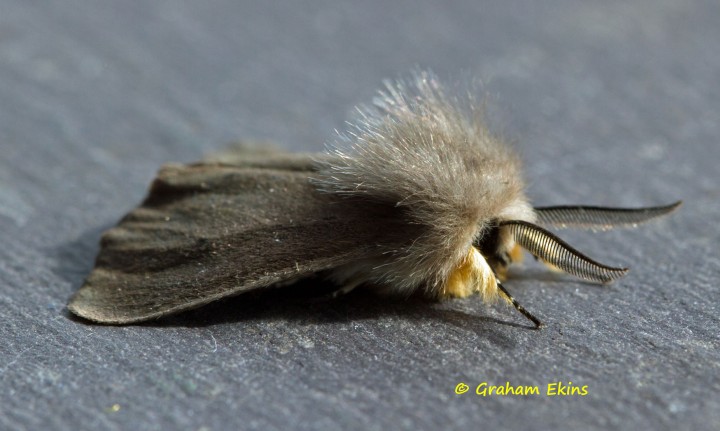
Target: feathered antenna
552,250
600,218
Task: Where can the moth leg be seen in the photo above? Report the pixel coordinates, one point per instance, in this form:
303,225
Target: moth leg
520,308
473,275
549,265
347,287
514,255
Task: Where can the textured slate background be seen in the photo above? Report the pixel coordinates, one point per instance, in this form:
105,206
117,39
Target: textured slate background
612,103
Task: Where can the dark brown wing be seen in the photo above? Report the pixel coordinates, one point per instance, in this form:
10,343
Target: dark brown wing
265,156
210,230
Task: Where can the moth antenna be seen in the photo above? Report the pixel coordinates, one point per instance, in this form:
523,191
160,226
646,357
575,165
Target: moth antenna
520,308
550,248
600,218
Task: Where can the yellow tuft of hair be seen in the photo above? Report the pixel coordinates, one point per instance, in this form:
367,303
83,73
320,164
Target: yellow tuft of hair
472,275
516,253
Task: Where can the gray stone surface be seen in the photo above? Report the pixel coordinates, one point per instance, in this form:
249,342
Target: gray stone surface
612,103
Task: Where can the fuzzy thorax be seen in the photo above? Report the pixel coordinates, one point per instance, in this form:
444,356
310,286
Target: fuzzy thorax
429,158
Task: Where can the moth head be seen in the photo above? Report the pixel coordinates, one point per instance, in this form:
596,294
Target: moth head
497,246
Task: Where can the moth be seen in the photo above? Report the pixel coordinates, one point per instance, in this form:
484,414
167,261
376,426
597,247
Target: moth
416,197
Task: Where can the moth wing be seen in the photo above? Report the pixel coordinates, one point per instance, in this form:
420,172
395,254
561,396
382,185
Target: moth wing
264,155
207,231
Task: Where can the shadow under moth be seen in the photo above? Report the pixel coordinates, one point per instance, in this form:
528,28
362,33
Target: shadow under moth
417,196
